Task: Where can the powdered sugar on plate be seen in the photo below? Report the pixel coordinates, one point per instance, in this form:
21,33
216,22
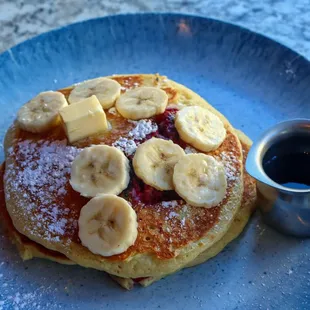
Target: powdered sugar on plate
42,173
33,300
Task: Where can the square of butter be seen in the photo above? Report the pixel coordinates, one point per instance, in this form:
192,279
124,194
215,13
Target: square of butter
83,119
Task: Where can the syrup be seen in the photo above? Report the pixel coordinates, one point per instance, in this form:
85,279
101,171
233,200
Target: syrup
290,170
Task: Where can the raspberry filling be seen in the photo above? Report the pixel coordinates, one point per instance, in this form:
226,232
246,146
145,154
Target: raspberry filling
166,128
147,194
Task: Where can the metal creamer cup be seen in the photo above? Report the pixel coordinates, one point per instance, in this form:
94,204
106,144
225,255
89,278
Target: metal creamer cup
285,208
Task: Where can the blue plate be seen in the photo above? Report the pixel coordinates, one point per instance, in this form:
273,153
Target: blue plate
254,81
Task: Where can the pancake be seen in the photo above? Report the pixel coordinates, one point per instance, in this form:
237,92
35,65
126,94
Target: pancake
248,206
29,249
44,208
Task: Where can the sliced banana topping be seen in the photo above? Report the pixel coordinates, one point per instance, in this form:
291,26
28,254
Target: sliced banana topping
100,169
142,102
41,113
200,180
200,128
154,161
108,225
106,90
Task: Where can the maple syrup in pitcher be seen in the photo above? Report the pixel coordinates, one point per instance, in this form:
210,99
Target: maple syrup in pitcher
288,162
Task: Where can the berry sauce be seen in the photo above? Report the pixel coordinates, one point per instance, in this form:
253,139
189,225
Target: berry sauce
147,194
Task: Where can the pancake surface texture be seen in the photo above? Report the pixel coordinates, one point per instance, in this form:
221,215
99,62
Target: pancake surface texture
248,206
171,234
28,249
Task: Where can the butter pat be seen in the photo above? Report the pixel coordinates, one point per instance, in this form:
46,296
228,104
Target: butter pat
84,119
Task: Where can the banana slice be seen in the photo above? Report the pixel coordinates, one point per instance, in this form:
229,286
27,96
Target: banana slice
106,90
100,169
200,180
41,113
200,128
142,102
108,225
154,161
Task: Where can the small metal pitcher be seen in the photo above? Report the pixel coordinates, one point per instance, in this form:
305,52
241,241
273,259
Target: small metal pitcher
284,208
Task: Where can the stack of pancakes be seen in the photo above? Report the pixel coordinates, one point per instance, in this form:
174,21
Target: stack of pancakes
40,209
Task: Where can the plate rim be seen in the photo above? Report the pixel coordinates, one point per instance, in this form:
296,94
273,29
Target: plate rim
168,15
244,29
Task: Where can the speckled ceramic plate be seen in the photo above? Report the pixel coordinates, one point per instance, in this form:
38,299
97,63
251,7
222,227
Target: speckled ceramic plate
254,81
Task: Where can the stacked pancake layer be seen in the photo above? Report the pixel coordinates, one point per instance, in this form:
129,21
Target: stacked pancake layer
172,234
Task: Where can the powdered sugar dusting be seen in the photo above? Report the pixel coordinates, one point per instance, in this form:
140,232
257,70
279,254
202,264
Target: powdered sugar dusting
21,300
169,204
176,216
229,160
190,150
128,85
43,173
173,214
129,144
125,145
142,129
